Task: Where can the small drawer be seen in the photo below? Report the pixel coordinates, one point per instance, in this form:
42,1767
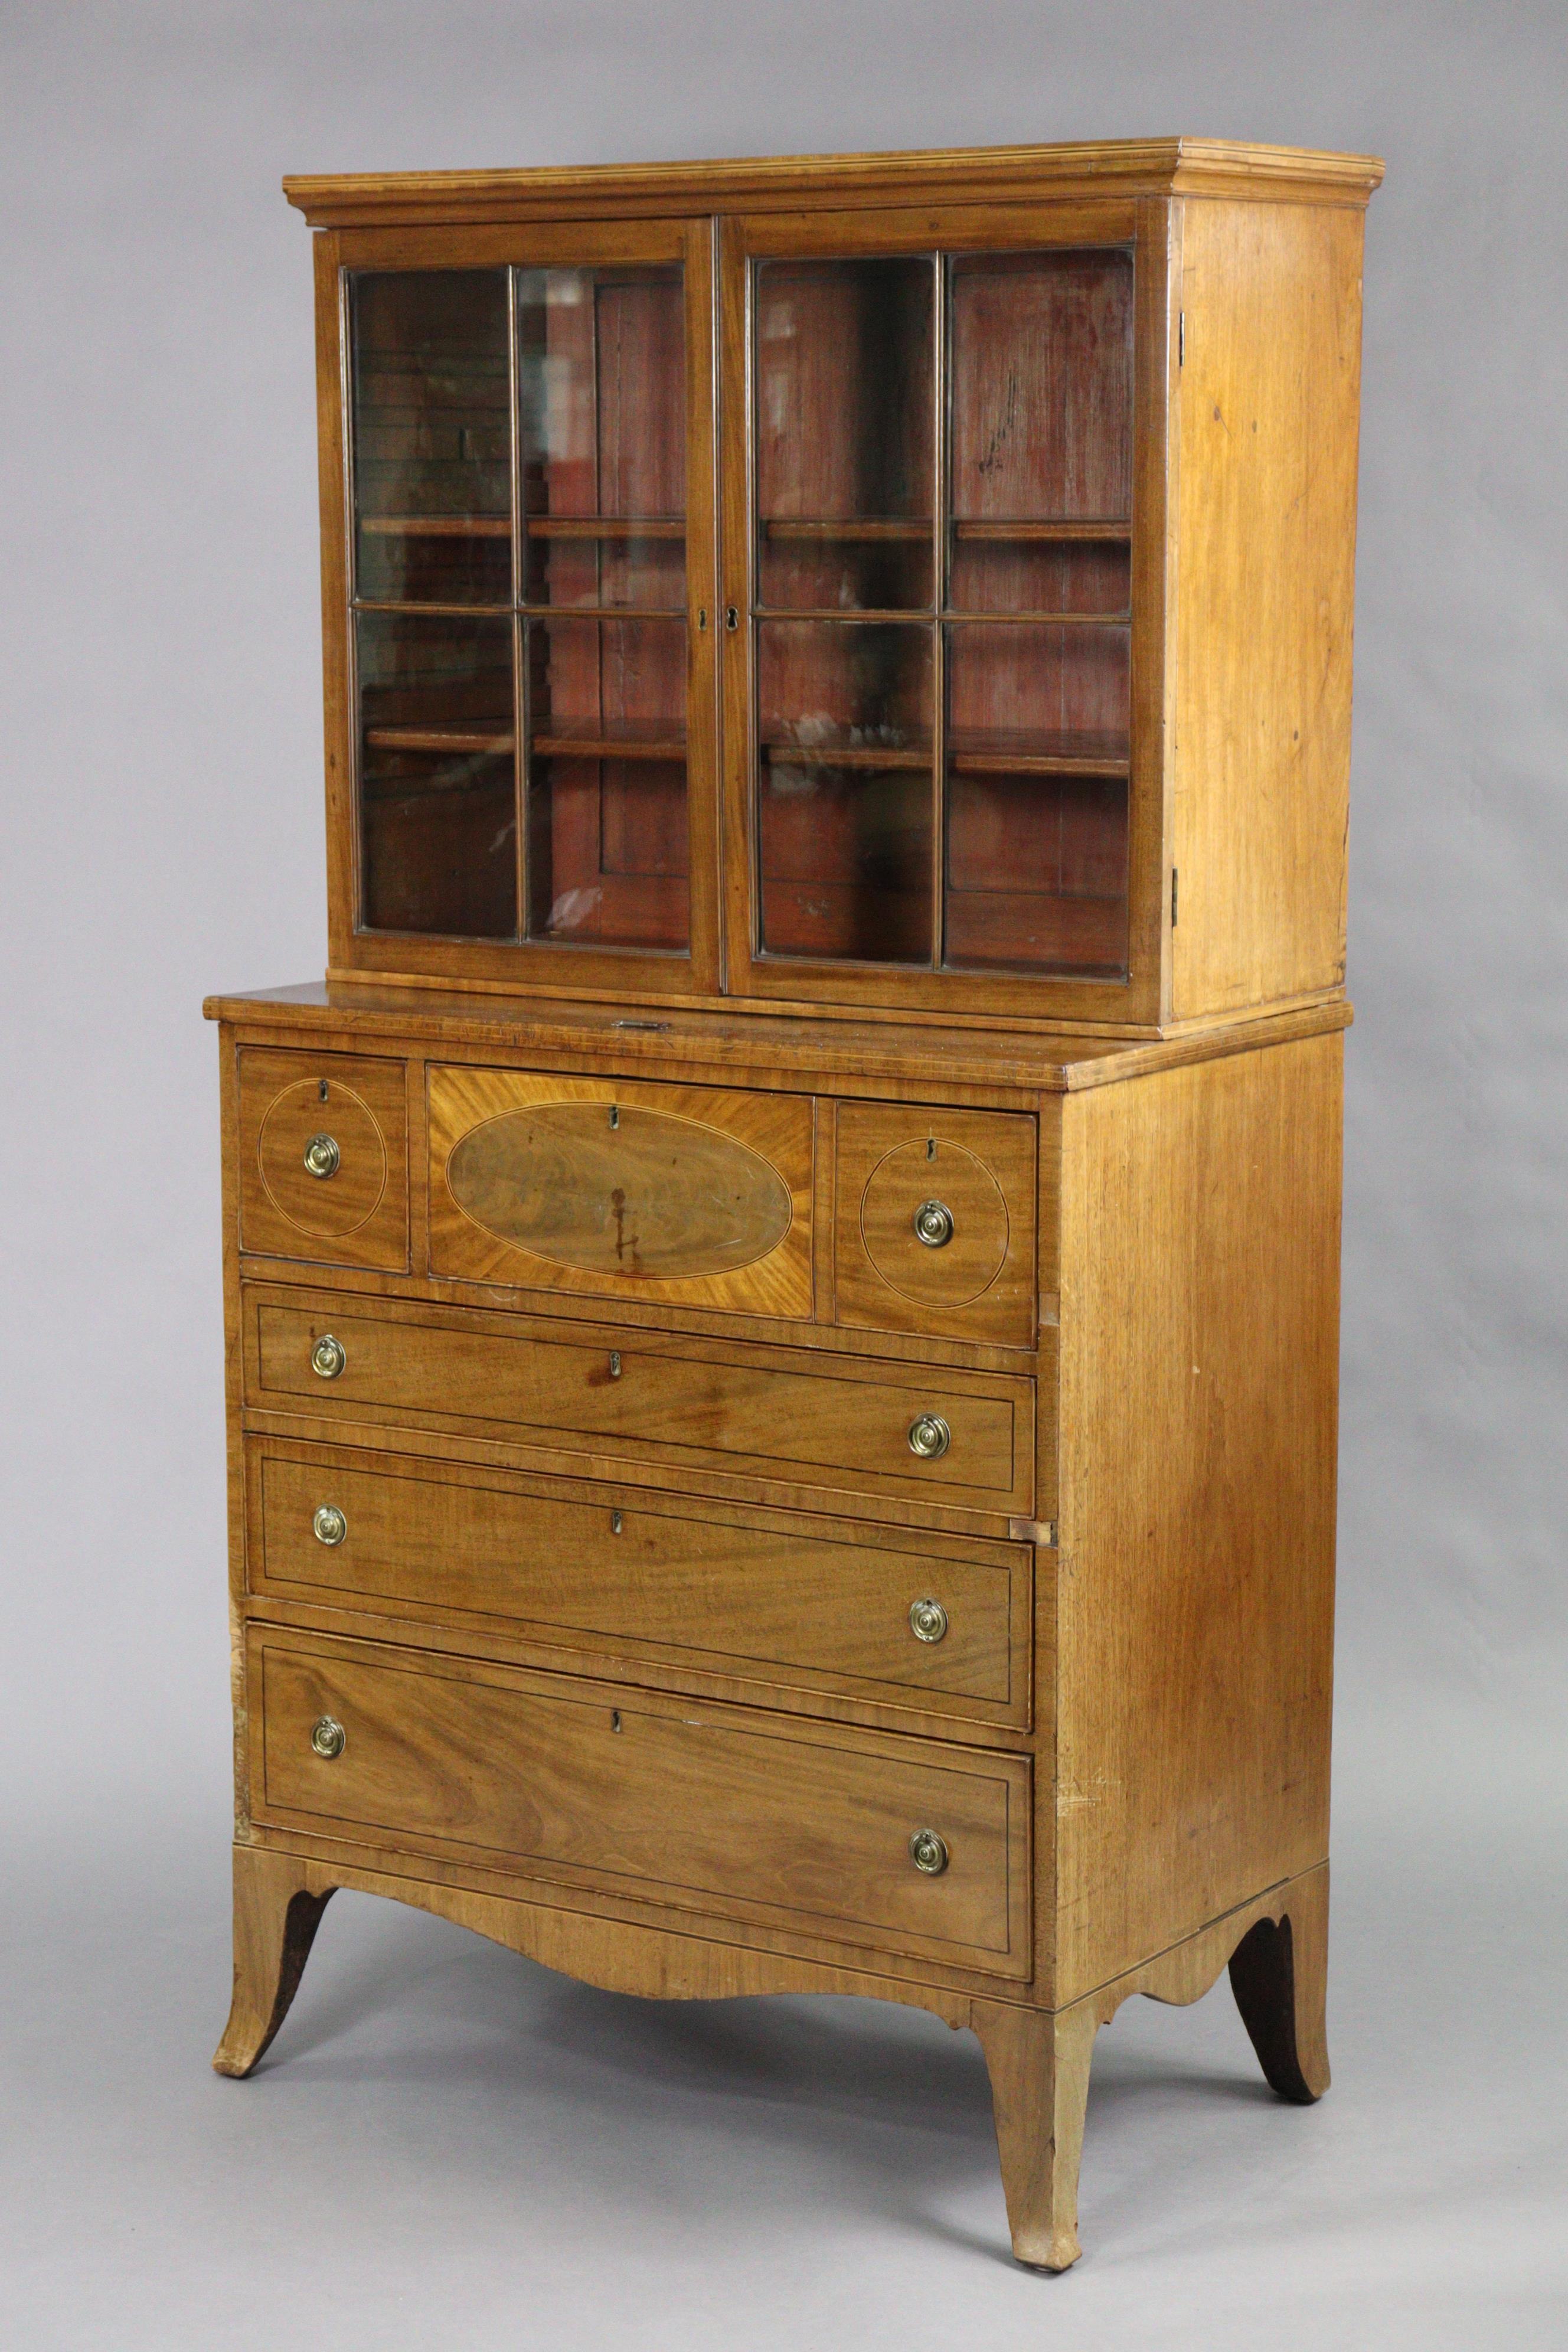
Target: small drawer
934,1221
939,1624
687,1195
856,1836
323,1158
653,1400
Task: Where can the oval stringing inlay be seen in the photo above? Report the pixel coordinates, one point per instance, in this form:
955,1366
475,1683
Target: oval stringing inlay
654,1198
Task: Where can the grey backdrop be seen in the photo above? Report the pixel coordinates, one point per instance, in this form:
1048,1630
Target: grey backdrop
449,2145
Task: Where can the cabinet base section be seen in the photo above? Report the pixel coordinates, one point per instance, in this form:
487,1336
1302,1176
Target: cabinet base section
1275,1945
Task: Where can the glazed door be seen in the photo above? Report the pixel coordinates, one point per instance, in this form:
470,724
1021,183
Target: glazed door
524,730
943,554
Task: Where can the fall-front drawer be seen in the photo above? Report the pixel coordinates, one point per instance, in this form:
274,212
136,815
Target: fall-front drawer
658,1401
861,1837
939,1624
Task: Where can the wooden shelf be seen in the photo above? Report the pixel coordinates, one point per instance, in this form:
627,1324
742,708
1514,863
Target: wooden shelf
472,737
559,739
848,527
1101,528
1102,531
605,526
435,525
848,755
1029,751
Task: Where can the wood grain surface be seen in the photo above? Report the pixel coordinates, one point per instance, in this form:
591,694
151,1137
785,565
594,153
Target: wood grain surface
693,1196
799,1600
548,1774
979,1165
358,1214
837,1424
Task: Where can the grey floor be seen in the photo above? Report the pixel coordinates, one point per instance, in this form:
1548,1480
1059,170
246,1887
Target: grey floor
448,2145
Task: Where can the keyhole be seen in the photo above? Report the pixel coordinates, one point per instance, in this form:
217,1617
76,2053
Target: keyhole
931,1147
615,1114
322,1091
614,1719
617,1523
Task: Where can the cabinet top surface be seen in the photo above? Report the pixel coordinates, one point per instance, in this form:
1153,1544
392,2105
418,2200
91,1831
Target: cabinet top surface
1148,166
1044,1061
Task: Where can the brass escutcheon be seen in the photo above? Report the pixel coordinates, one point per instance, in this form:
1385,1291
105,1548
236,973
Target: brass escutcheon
928,1619
327,1736
322,1157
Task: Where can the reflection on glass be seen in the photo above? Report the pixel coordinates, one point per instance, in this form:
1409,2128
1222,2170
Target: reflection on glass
846,857
602,392
432,437
438,796
1036,872
1041,432
844,439
845,789
607,857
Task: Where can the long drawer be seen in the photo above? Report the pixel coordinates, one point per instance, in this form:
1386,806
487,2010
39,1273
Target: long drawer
830,1421
858,1837
941,1623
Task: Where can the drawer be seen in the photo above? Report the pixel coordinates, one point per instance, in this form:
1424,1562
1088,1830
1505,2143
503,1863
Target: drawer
942,1624
323,1158
934,1221
789,1822
689,1195
653,1399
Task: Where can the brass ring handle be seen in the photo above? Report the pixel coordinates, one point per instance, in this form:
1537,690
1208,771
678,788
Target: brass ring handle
322,1157
933,1223
928,1852
328,1358
327,1736
330,1526
928,1619
930,1436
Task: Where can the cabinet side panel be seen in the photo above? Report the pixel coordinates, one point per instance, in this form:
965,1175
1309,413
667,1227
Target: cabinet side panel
1268,400
1199,1379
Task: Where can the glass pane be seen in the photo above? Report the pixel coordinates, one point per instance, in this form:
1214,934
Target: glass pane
438,797
845,789
607,856
432,437
1041,432
844,441
1036,797
601,388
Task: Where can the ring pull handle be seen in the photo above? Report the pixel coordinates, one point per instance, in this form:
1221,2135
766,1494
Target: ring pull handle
322,1157
930,1436
933,1223
328,1358
929,1854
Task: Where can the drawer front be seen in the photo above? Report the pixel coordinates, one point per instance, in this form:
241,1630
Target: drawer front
934,1221
793,1824
658,1400
685,1194
941,1623
323,1158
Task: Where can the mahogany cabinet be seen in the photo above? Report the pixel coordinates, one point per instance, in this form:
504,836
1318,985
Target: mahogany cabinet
782,1292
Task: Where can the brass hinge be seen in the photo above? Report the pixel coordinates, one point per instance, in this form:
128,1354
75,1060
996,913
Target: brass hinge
1172,897
1180,338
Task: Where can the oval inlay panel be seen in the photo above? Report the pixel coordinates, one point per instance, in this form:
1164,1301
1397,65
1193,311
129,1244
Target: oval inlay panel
651,1198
